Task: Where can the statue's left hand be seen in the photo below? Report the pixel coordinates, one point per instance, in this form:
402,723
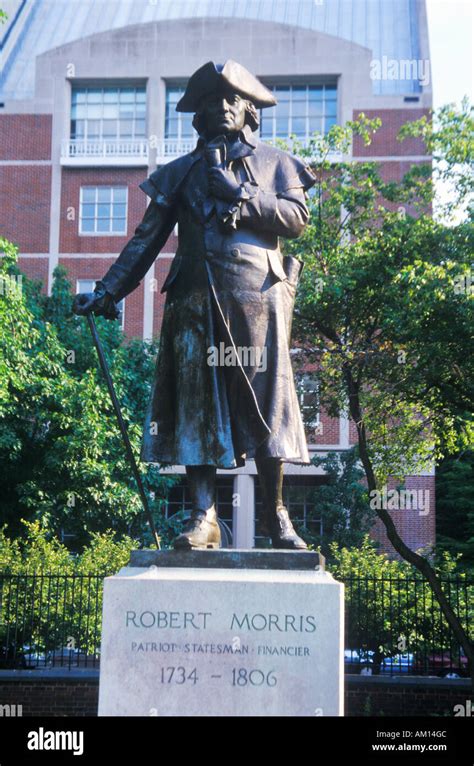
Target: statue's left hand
223,185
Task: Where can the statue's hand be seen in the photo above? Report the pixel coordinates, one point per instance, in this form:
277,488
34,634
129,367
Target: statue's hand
100,304
223,185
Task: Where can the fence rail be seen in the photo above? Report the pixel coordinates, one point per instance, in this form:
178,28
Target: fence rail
394,626
124,148
50,620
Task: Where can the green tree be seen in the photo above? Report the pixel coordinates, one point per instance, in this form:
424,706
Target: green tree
455,506
62,460
342,503
52,599
380,311
390,609
448,137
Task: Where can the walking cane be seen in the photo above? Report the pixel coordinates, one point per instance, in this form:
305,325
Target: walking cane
122,426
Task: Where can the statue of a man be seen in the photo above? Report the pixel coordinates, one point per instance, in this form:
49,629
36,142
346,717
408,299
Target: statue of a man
224,389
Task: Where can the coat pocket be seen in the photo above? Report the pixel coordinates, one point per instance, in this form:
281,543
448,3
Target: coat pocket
274,260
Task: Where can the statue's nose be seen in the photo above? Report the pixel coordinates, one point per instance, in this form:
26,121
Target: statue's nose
223,105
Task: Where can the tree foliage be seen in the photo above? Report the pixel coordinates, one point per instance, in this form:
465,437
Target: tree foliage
391,610
51,598
62,460
455,506
385,308
342,503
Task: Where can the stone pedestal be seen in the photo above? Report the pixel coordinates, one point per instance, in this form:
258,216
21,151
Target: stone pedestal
222,633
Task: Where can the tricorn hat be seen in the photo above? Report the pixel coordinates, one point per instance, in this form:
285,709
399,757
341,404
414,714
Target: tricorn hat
210,77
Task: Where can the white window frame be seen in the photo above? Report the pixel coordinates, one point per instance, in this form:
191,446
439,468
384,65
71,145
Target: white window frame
308,384
96,218
104,89
180,116
272,111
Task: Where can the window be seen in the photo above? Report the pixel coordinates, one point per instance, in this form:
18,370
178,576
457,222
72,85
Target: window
88,285
308,394
178,125
103,210
108,114
301,110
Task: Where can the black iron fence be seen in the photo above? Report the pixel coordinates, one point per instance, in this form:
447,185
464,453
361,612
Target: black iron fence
393,625
50,620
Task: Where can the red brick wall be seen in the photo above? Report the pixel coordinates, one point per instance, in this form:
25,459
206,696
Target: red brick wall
25,206
328,431
352,432
416,527
70,240
363,696
35,268
25,136
55,697
384,142
172,244
395,171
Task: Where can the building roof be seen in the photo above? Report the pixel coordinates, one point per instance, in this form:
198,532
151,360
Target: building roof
390,28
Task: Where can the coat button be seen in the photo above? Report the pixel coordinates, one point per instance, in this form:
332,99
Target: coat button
235,252
210,254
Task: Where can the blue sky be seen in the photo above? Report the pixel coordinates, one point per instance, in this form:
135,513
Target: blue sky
451,46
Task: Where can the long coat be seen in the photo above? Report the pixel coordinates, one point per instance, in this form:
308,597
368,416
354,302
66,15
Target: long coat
223,388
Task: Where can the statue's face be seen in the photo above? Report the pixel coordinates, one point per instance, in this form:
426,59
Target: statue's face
224,113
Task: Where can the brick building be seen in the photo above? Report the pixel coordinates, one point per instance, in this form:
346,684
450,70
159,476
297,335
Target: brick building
88,91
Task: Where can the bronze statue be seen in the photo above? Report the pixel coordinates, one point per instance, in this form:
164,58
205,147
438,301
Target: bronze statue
224,388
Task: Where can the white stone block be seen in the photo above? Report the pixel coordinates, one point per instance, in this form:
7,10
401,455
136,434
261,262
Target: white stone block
222,642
